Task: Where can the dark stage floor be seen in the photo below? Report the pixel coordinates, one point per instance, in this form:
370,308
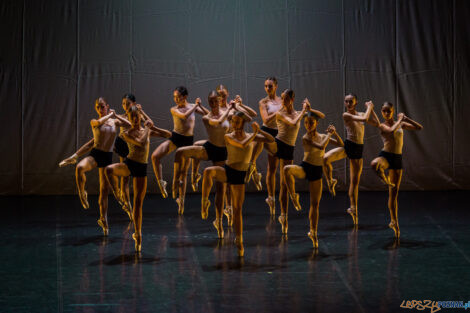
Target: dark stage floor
54,258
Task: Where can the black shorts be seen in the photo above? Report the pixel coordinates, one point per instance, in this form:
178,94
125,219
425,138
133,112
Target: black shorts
102,158
180,140
394,160
313,172
215,153
284,151
137,169
353,150
120,147
234,177
271,131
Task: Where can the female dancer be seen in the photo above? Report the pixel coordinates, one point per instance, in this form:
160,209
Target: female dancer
135,165
311,168
182,134
104,134
353,146
268,107
239,148
213,149
391,157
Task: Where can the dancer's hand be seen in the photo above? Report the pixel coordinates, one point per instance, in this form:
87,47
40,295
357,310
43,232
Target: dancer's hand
331,129
369,103
232,105
148,124
112,112
255,127
198,101
306,105
238,99
138,106
401,116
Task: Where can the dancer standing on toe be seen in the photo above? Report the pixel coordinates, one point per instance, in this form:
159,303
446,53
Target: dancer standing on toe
135,165
104,134
391,156
311,168
182,134
213,149
268,107
239,149
353,146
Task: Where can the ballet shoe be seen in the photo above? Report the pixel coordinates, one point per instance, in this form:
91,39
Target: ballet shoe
257,180
313,236
138,242
272,205
220,229
162,187
331,186
295,201
68,161
180,206
84,199
195,182
205,204
228,212
126,207
240,248
395,228
283,220
104,225
353,214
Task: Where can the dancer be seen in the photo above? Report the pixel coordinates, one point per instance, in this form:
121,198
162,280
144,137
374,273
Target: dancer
104,134
239,148
182,134
311,168
353,146
135,165
268,107
391,156
213,149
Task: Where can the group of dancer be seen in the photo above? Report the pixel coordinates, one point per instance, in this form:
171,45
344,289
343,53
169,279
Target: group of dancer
233,153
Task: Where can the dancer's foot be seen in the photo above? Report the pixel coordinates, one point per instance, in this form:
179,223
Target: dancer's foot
104,225
162,185
395,228
195,181
68,161
313,236
127,208
386,181
295,201
228,212
180,203
205,204
220,228
240,248
272,205
138,242
249,173
118,194
84,199
257,180
353,213
283,220
331,186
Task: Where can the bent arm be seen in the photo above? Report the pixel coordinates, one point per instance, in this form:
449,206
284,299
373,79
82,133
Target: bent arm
410,124
138,141
122,122
100,121
218,121
241,144
264,137
317,113
159,132
177,113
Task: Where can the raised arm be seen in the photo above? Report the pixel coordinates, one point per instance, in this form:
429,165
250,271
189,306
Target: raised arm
321,145
316,112
241,144
222,118
244,108
374,120
293,121
156,131
200,109
122,122
390,129
262,136
410,124
360,118
100,121
337,139
138,141
177,113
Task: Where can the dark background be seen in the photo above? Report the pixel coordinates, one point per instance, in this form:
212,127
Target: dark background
58,56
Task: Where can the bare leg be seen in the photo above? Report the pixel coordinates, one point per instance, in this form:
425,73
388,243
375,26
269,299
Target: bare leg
219,205
283,200
121,170
271,183
228,212
140,189
395,178
379,165
195,176
315,196
103,202
210,173
355,171
252,170
83,166
162,150
238,197
290,173
330,157
182,188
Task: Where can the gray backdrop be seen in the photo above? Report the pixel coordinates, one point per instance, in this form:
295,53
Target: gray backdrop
57,56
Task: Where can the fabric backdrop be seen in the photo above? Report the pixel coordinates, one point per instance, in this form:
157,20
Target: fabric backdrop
57,56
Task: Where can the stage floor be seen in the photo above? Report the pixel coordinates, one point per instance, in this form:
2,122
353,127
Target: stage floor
55,259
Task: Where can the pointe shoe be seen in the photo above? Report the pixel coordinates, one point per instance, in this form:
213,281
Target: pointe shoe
195,182
126,207
68,161
295,201
331,186
257,180
228,212
395,228
84,199
313,236
162,187
180,206
353,214
220,229
138,242
240,248
104,225
205,204
283,220
272,205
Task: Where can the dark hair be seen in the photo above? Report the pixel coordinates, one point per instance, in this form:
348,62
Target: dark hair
98,100
274,79
351,94
129,96
212,94
389,104
290,93
182,90
242,115
312,114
